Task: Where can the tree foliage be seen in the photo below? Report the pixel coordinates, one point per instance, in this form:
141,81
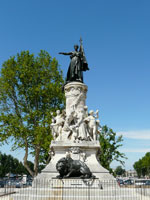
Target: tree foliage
120,171
110,144
30,89
142,166
9,164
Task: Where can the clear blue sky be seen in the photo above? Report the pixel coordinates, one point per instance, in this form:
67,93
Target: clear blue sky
116,38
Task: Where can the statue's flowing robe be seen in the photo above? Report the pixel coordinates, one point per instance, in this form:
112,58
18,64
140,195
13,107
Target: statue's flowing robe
78,64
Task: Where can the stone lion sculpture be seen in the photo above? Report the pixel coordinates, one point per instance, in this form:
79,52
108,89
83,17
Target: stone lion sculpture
67,167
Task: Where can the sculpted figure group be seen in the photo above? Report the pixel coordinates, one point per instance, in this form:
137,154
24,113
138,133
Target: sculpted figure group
78,125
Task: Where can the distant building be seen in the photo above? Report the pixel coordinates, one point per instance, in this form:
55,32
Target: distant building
131,174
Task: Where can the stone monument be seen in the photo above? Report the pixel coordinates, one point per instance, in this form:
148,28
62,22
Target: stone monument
75,130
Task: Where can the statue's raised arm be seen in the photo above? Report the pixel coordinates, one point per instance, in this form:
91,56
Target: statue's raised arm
77,65
63,53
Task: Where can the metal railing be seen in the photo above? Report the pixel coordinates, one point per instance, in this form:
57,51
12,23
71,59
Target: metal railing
76,189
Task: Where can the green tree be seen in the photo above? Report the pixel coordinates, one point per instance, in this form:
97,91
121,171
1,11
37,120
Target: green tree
110,144
119,171
30,90
142,166
9,164
138,168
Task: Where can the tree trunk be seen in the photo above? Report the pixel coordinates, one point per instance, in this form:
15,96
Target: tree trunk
36,160
26,159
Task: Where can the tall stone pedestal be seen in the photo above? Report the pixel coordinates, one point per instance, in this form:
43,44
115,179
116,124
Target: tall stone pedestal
75,93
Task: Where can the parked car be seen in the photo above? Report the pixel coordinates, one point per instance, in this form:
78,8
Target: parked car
120,181
147,182
140,182
19,184
128,182
29,183
9,183
2,184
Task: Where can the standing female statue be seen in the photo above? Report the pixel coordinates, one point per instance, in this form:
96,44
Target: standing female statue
78,64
